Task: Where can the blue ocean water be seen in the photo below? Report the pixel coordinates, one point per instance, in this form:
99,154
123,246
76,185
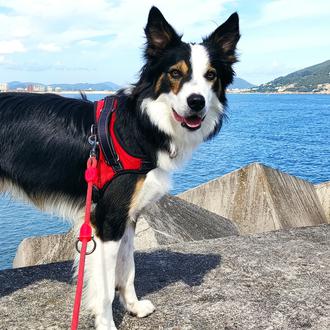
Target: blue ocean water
287,132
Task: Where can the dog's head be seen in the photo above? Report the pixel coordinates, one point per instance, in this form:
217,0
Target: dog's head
184,84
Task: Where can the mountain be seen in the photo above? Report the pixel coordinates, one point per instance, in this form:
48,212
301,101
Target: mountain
68,87
315,78
104,86
240,83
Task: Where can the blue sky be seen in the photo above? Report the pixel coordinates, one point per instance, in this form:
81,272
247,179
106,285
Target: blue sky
93,41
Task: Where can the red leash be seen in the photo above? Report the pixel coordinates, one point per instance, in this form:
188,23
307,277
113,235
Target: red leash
84,237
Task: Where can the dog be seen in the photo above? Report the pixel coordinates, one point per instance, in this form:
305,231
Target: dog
178,102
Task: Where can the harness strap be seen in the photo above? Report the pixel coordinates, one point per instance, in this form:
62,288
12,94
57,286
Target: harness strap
109,152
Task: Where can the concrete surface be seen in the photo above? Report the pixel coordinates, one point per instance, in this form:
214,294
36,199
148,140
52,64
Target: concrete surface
174,220
323,192
171,220
45,249
259,199
277,280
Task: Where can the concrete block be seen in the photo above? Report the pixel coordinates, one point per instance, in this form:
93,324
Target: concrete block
45,249
276,280
171,220
258,199
174,220
323,192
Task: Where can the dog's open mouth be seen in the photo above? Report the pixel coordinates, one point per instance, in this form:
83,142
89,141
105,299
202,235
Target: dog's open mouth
191,122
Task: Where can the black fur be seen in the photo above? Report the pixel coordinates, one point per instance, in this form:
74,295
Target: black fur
112,210
43,143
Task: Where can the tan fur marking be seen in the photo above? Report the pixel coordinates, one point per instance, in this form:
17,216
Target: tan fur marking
181,66
175,83
211,68
159,83
138,187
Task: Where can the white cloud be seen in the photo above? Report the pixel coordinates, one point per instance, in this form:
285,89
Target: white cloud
12,46
283,10
65,22
49,47
109,33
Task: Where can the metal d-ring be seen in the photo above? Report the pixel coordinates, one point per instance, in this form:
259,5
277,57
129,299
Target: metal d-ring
87,252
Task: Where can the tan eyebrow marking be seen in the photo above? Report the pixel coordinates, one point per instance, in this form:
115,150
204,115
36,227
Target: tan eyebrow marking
176,83
181,66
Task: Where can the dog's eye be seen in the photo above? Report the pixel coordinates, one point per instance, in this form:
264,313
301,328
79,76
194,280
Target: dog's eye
210,75
175,74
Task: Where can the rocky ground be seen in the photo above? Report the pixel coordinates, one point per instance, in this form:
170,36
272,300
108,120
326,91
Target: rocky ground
277,280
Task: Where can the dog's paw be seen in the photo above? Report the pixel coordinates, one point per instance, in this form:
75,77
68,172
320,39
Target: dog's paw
142,308
102,323
105,327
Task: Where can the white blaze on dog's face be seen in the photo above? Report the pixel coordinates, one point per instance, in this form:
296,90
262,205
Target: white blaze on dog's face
196,100
187,100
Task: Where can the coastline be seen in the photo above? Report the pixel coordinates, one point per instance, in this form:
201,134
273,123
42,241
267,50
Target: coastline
110,92
277,93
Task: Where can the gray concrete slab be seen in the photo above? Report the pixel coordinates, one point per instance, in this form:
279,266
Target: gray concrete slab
259,198
277,280
323,192
170,220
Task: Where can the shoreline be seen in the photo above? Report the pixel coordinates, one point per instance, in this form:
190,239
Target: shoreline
276,93
110,92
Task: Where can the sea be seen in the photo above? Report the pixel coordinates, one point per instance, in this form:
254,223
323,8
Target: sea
287,132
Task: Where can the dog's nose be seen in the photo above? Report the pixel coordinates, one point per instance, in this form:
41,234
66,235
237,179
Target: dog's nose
196,102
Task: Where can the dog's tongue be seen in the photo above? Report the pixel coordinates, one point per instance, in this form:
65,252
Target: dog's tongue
192,122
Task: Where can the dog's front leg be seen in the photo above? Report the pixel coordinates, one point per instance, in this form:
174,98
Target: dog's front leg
100,282
148,189
125,273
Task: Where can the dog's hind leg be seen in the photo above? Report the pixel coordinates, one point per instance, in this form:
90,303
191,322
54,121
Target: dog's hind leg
100,282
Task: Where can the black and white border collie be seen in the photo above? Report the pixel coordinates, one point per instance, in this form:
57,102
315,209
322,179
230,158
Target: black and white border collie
178,102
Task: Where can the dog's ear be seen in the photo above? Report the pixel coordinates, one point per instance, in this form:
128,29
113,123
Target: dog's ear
160,34
225,38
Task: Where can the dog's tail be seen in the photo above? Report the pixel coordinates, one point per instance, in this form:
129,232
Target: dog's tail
83,95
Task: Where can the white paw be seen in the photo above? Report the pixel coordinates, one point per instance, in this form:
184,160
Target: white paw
102,323
105,327
142,308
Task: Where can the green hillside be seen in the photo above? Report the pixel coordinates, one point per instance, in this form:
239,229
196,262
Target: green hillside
315,78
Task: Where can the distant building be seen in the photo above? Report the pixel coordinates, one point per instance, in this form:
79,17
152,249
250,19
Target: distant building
36,88
58,89
39,88
49,89
3,87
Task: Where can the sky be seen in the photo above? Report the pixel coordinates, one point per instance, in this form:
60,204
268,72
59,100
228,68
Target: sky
69,41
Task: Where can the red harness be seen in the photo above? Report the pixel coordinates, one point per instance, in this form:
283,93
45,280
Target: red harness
114,159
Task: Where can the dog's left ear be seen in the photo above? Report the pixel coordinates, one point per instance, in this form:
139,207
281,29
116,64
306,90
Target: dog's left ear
225,38
160,34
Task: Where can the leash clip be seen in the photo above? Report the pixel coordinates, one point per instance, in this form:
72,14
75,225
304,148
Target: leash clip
78,248
92,140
